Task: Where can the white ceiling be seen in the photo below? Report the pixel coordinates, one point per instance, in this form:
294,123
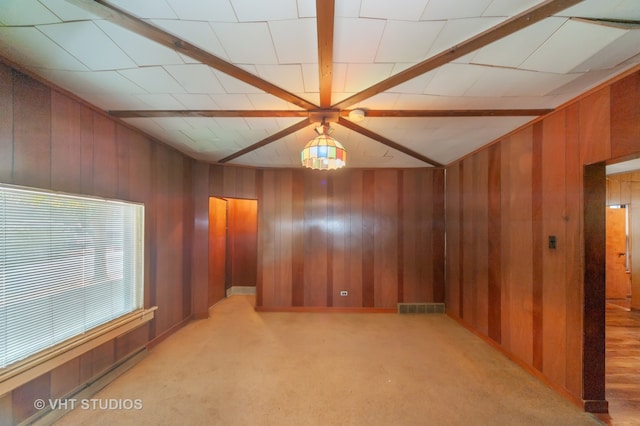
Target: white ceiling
539,67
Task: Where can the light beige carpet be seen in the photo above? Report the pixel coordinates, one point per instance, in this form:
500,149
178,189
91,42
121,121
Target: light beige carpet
245,368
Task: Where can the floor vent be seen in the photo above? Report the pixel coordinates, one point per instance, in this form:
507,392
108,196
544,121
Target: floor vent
421,308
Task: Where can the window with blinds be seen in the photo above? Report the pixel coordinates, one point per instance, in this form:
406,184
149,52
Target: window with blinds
67,264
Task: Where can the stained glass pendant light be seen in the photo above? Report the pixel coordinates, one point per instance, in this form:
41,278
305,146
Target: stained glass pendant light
324,152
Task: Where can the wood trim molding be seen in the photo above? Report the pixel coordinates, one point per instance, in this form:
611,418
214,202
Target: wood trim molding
47,360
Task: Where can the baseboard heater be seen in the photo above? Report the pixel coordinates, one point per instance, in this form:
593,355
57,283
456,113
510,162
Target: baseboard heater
421,308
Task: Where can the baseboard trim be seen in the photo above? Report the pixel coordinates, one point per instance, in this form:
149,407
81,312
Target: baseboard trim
153,343
326,309
92,387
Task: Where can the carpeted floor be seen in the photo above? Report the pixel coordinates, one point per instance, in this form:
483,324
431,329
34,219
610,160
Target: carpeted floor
245,368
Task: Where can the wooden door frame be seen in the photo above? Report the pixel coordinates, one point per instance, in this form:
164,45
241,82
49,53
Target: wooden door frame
594,298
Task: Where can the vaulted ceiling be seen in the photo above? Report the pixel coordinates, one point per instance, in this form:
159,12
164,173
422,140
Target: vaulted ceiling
245,81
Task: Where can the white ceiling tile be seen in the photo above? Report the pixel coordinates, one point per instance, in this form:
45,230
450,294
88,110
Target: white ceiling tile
453,79
295,41
385,100
268,102
251,10
160,101
361,76
494,82
246,43
339,77
142,50
146,9
453,9
607,9
28,46
172,123
356,40
203,10
509,7
195,78
310,78
415,85
615,53
347,8
570,46
288,77
407,41
199,34
25,12
512,50
196,101
153,80
67,11
112,101
233,85
458,30
83,39
306,8
233,101
408,10
106,82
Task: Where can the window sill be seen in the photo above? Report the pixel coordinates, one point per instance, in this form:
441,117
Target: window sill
28,369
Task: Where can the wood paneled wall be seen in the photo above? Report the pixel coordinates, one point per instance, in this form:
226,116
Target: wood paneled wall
503,204
377,234
51,141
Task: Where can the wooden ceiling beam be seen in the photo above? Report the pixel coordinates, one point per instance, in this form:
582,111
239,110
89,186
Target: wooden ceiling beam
388,142
509,26
144,29
279,135
227,113
452,112
325,13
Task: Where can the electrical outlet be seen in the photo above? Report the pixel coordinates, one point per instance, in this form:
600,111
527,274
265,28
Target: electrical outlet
344,293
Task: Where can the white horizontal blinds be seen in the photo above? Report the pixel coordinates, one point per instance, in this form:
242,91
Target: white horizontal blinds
67,264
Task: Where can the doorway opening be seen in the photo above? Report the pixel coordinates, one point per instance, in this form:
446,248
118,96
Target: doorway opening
233,247
622,317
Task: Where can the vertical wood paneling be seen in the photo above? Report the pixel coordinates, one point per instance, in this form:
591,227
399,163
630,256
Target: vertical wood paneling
595,127
481,232
625,110
48,140
242,230
340,242
414,226
554,222
368,239
65,378
454,240
494,229
297,243
438,229
356,241
66,151
6,124
316,239
267,255
200,252
124,135
386,238
574,244
517,331
284,218
31,133
217,250
105,157
469,271
86,150
536,228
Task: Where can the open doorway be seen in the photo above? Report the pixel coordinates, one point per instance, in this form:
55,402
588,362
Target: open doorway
233,247
622,316
618,265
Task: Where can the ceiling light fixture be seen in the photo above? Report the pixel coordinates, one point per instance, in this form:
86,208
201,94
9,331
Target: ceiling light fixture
324,152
